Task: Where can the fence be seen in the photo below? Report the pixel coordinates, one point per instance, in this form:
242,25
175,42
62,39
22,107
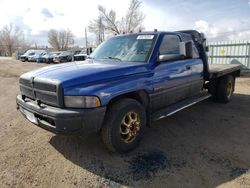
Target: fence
229,52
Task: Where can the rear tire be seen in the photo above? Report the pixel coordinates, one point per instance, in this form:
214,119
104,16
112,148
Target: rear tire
225,89
124,125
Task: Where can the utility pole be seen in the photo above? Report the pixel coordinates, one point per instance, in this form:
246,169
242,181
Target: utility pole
86,38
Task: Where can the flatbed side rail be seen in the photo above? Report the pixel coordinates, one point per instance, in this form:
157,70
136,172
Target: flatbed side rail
218,70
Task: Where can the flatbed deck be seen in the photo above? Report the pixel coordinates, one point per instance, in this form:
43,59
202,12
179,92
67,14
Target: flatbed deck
218,70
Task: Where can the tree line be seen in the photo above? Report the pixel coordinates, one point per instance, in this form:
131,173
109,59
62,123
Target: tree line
12,38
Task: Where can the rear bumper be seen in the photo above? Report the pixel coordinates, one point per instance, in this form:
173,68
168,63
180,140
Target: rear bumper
63,121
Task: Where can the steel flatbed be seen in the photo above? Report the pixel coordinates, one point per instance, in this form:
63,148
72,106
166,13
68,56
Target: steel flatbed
219,70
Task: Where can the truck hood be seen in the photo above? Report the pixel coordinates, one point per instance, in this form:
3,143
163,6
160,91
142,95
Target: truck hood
82,72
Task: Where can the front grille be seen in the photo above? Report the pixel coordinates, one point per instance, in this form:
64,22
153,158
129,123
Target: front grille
80,58
47,93
45,86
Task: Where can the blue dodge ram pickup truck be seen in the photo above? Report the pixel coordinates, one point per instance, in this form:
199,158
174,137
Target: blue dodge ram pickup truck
125,84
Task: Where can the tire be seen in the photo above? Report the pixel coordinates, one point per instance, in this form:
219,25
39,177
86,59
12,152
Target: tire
115,133
225,89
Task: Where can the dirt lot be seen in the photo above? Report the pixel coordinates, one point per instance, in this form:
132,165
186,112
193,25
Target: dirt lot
207,145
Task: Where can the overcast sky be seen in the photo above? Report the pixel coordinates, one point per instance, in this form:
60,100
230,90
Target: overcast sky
219,19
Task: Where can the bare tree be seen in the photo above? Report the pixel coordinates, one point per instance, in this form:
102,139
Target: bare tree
53,39
1,48
97,26
12,39
131,22
60,40
109,19
134,17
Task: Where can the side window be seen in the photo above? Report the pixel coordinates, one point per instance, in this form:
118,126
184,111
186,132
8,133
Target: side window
170,45
195,52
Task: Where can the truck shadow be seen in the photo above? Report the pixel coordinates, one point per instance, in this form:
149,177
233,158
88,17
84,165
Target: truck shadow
203,146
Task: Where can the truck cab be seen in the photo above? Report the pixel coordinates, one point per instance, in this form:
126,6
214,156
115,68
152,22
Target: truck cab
125,84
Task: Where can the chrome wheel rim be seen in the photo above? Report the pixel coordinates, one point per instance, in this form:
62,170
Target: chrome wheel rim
130,127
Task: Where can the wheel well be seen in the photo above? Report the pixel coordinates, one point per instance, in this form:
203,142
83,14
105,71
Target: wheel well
236,73
141,96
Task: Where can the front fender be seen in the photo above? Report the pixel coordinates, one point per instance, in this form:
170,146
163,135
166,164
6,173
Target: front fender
108,90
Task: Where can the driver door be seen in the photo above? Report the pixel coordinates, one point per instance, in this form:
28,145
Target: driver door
170,80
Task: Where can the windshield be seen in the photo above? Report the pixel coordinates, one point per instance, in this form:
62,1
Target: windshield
31,53
65,53
83,52
128,48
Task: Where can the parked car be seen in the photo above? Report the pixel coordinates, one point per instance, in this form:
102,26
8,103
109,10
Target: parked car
128,82
37,53
40,57
48,58
24,57
75,52
65,56
81,56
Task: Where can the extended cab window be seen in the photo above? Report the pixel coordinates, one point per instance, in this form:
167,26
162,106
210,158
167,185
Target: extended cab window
170,45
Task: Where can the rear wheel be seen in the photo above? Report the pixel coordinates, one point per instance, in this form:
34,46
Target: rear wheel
124,125
225,89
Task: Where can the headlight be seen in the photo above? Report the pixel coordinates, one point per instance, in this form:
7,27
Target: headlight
81,101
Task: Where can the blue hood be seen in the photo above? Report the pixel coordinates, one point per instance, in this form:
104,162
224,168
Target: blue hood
83,72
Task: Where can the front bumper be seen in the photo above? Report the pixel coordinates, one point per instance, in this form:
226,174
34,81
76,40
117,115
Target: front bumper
23,59
57,60
31,59
40,60
62,121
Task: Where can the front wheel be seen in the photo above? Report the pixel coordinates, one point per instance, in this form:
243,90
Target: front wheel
124,125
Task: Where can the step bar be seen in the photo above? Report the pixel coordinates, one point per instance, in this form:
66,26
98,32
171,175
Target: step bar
170,110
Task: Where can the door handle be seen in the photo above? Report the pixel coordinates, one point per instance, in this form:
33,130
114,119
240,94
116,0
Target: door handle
188,67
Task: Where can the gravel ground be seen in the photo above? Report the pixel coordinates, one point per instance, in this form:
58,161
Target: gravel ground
206,145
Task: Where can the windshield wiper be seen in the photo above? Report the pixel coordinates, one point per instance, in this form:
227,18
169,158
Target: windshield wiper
113,58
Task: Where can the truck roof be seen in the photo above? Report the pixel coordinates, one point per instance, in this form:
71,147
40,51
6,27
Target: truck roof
184,36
